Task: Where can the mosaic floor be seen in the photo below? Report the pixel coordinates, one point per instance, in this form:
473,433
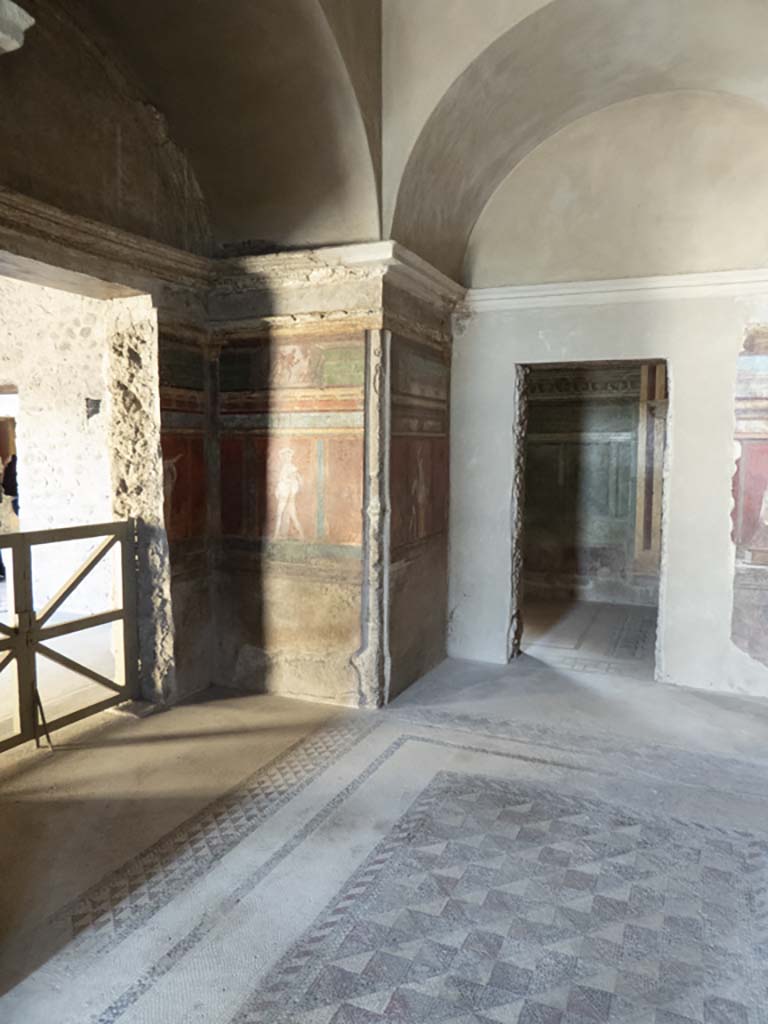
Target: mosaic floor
491,900
431,864
611,639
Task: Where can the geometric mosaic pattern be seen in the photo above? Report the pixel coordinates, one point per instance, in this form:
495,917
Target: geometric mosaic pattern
501,902
130,895
622,644
636,637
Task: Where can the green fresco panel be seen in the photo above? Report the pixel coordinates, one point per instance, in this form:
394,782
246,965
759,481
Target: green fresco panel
181,367
343,367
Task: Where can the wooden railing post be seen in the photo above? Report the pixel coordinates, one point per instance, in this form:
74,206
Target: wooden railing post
26,668
130,625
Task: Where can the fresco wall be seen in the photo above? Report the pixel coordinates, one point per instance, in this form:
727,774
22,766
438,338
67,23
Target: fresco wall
750,492
291,446
593,474
184,417
419,485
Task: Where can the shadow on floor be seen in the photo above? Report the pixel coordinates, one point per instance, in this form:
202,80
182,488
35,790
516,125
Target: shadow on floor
117,785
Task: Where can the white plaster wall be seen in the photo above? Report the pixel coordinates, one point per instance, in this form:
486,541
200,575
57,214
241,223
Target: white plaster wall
53,349
700,337
662,184
568,59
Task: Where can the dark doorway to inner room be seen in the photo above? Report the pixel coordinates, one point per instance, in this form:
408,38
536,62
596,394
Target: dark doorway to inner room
592,524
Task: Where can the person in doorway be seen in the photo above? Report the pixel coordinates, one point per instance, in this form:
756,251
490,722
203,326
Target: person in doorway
11,484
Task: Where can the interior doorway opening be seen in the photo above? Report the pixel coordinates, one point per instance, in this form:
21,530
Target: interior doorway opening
591,531
54,445
9,407
86,612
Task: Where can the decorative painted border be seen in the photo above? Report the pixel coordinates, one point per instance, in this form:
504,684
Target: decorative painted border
128,897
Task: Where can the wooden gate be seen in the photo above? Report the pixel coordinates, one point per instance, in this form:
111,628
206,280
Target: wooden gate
27,638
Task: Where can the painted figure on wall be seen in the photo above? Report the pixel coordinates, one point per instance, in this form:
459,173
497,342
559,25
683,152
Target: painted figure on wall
290,367
170,476
419,497
759,539
287,489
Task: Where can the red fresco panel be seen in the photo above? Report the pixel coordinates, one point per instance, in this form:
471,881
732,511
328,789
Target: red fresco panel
420,464
418,488
752,489
399,490
195,491
184,485
343,490
440,486
232,497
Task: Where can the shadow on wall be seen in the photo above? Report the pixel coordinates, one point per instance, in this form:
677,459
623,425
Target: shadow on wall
263,448
594,453
289,569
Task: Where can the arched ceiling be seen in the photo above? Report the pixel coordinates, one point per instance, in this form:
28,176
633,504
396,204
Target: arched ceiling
565,61
426,45
356,25
272,107
309,122
663,184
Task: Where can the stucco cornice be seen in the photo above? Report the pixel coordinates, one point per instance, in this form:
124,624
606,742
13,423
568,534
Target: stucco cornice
314,276
603,293
42,232
336,285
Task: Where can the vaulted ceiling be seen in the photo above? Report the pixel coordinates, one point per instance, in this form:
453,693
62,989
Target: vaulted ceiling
567,60
275,102
486,135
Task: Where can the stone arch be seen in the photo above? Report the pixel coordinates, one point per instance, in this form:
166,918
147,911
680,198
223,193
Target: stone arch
567,60
661,184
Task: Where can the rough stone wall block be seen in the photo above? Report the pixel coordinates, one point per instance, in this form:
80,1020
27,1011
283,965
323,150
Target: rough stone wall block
138,484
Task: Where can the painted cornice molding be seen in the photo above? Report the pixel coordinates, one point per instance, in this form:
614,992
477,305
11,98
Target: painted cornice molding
412,274
296,279
338,284
39,231
14,22
602,293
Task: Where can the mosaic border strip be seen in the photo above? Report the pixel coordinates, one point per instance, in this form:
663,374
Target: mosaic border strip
684,767
129,896
185,945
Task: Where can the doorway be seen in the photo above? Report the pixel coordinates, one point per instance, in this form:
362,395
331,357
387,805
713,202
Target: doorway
591,536
87,524
9,403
